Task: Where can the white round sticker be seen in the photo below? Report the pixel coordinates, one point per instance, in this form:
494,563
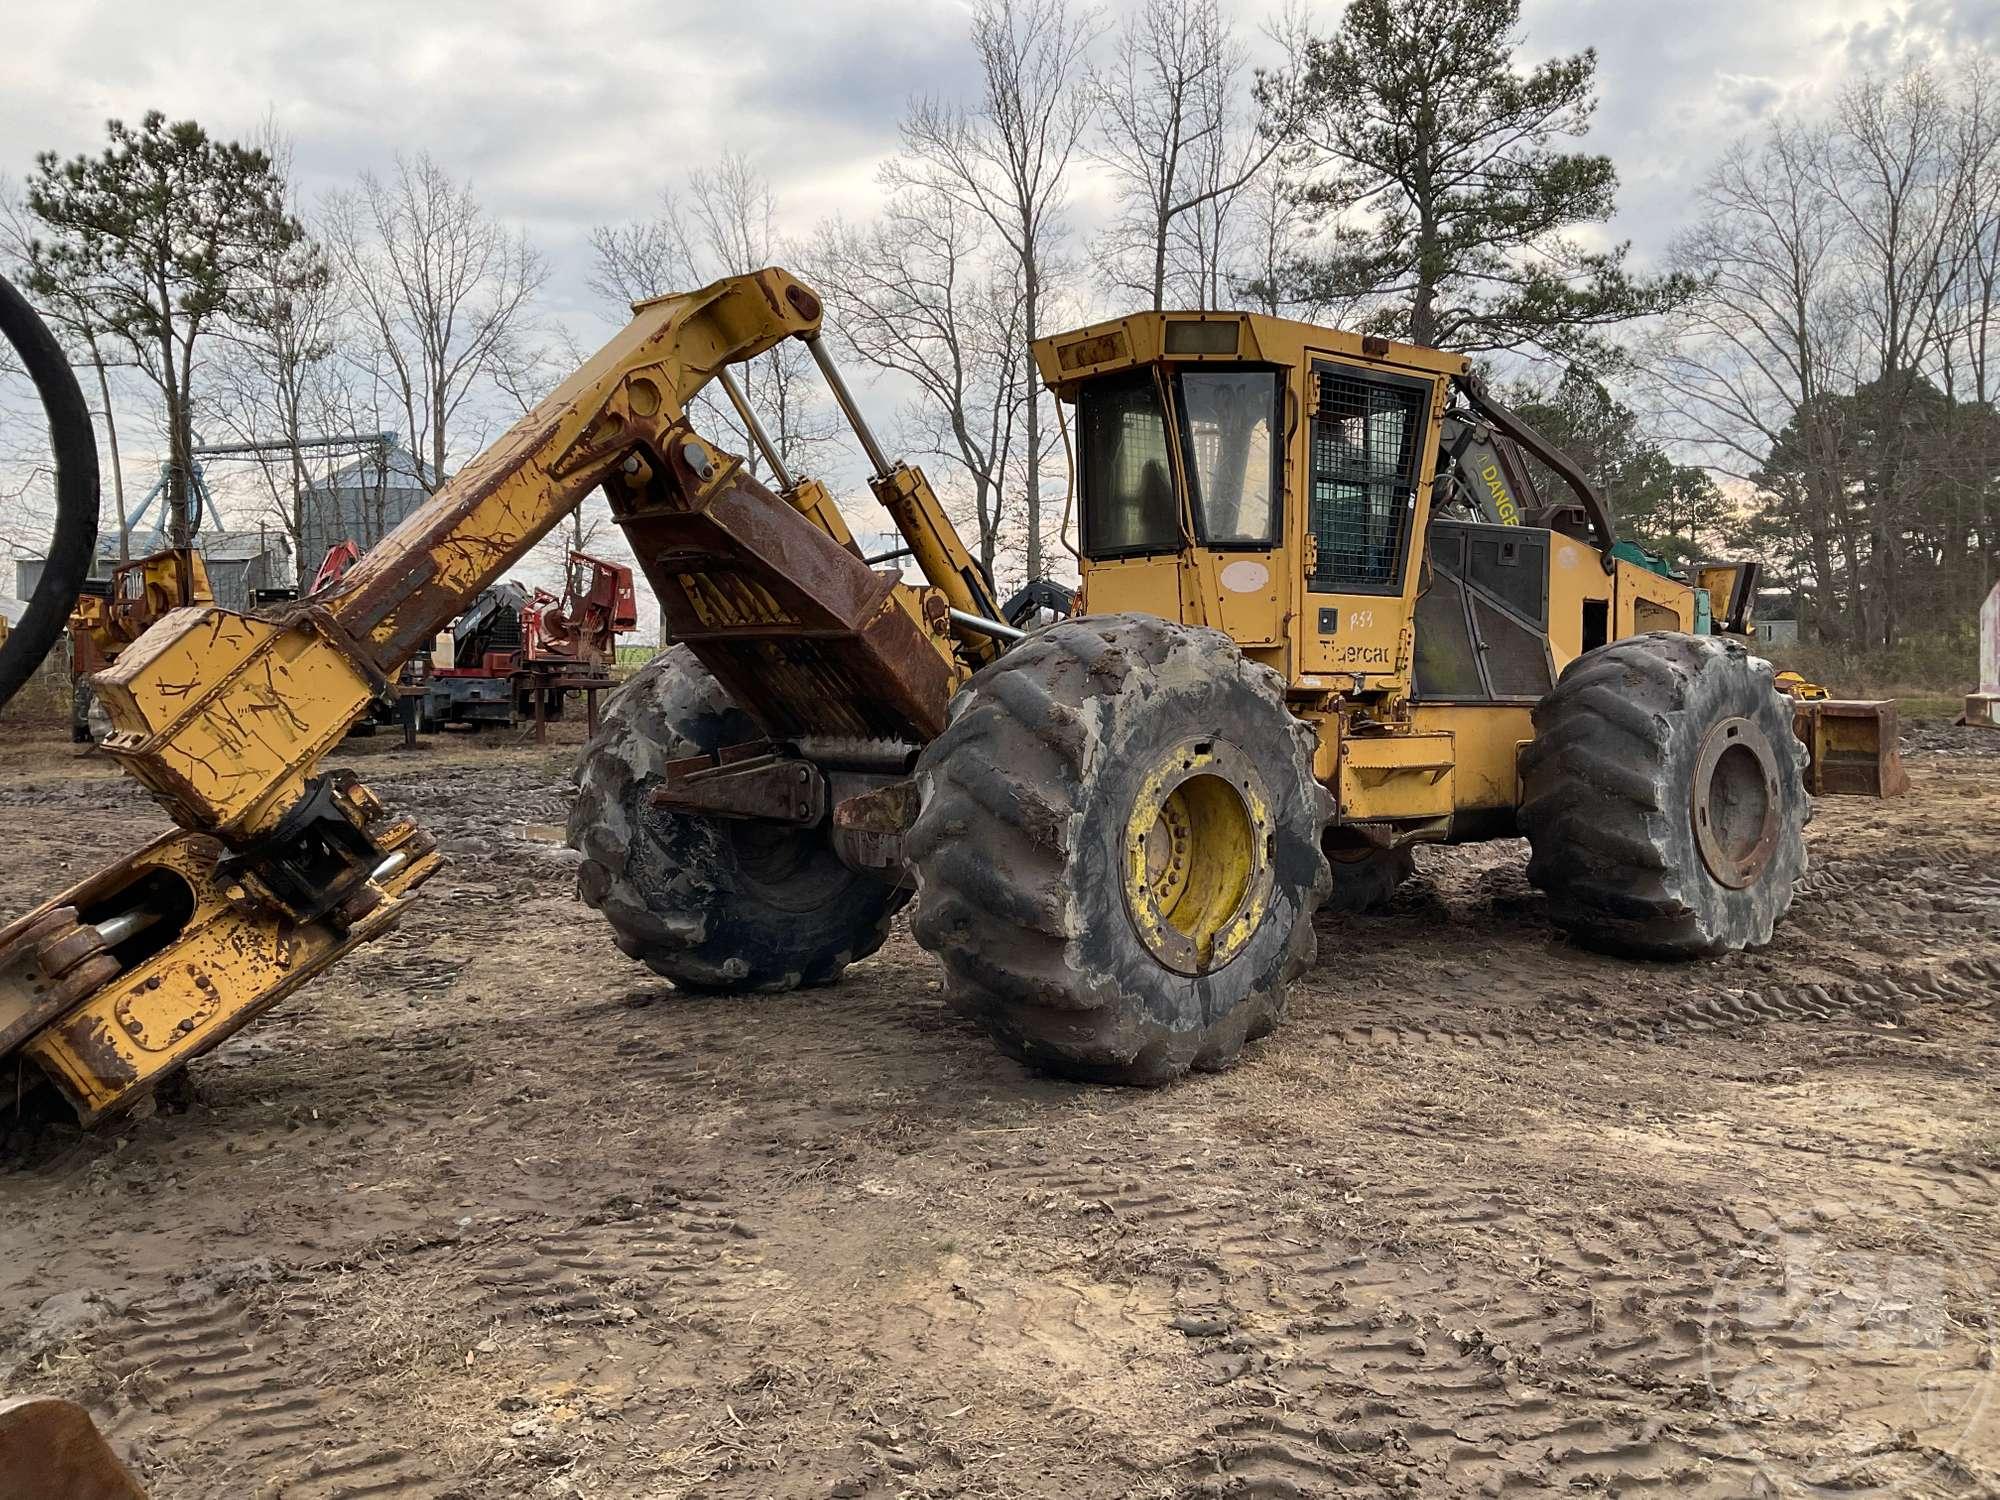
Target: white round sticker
1567,557
1245,577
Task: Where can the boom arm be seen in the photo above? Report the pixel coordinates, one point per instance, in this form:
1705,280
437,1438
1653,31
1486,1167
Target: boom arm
225,716
1509,424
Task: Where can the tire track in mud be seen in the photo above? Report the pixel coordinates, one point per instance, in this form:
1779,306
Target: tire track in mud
1940,894
1403,1314
690,1264
1936,901
1419,1348
1887,995
231,1384
1471,1352
779,1053
1494,1343
1890,995
215,1390
1470,1340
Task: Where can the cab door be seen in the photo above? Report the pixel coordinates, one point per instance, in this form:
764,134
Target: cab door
1367,434
1230,418
1131,514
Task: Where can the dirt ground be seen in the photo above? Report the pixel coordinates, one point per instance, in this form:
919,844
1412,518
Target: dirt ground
492,1212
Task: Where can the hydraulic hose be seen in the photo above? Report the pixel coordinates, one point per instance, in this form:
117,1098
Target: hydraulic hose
74,447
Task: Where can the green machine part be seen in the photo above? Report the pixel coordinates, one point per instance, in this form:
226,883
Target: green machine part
1652,562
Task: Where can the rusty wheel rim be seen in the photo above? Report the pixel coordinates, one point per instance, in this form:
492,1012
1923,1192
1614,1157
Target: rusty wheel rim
1735,803
1198,867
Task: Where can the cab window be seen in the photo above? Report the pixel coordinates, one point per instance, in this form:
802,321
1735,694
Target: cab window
1228,422
1129,505
1365,431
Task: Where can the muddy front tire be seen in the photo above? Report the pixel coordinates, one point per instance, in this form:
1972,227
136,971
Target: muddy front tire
1665,800
721,904
1118,852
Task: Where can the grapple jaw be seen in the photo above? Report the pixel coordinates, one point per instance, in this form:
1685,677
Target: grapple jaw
157,959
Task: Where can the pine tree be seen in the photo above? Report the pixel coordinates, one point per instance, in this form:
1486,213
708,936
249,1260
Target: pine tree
1435,161
165,236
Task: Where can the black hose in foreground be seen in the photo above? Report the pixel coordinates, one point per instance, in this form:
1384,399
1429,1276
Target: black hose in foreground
75,448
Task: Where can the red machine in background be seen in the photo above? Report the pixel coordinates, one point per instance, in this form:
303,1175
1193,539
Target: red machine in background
597,606
518,655
341,556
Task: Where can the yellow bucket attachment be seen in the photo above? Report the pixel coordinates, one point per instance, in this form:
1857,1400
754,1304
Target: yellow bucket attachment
1851,747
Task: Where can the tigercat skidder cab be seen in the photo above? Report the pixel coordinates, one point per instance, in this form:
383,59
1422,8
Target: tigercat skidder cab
1323,618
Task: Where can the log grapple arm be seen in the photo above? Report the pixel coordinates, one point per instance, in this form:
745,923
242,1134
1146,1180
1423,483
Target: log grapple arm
278,869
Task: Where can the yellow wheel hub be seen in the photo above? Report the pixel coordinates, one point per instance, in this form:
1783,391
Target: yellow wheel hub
1198,867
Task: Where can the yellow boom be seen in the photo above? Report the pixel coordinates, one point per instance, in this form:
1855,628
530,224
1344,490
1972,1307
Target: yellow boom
278,870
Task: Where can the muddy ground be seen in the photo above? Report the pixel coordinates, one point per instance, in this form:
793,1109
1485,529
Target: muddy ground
491,1212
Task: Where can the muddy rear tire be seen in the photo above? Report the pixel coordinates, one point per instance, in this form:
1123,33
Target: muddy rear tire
81,701
1118,851
721,904
1665,799
1365,880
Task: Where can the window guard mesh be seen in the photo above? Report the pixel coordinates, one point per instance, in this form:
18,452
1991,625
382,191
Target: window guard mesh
1364,471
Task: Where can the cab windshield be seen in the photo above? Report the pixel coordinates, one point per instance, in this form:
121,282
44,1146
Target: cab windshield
1227,419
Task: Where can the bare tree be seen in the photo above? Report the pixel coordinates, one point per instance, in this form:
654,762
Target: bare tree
1846,293
1760,348
1973,344
1006,158
526,371
1181,153
280,361
1890,170
27,470
643,257
438,286
724,223
918,293
1274,235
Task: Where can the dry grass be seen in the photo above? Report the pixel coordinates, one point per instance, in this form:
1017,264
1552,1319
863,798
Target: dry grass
1938,667
396,1330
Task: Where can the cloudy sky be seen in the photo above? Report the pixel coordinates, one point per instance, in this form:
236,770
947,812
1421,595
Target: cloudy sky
576,112
568,113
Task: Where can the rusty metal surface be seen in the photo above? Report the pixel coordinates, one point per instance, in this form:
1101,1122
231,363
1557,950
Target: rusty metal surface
493,510
871,818
885,809
804,635
51,1450
31,993
770,788
1713,792
193,981
852,754
225,716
